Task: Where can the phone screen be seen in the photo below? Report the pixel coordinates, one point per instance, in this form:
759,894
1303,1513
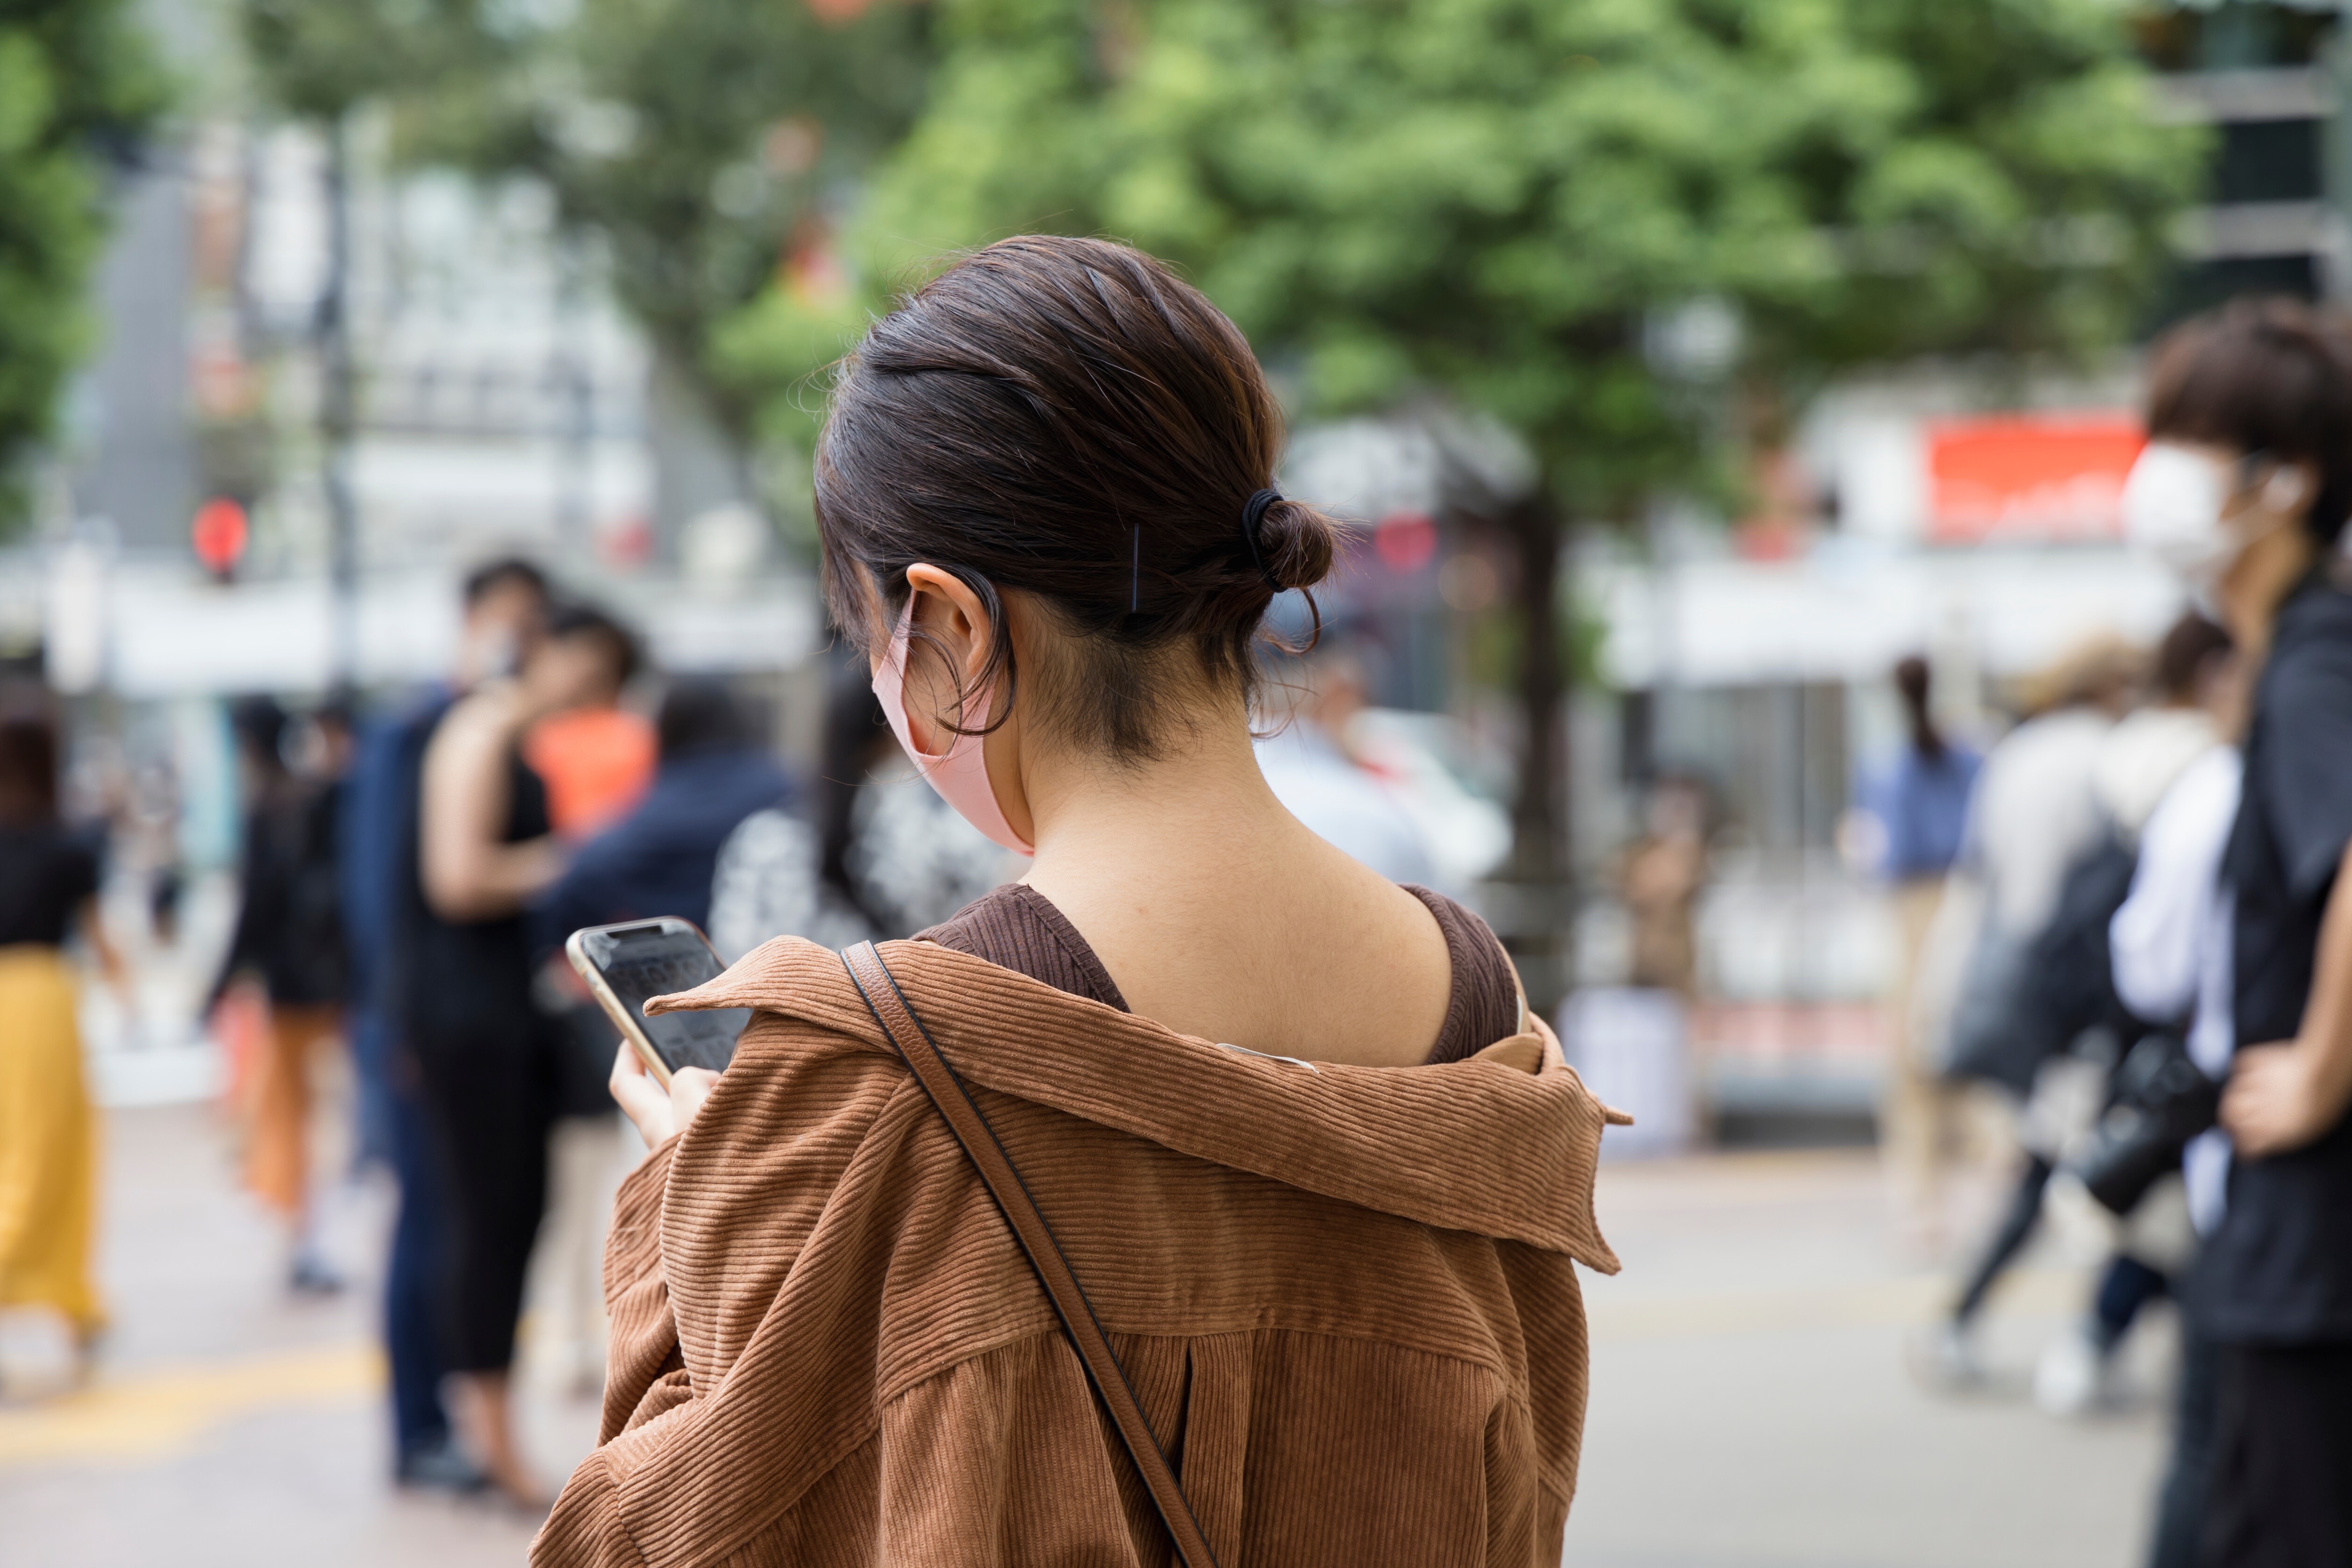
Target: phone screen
644,961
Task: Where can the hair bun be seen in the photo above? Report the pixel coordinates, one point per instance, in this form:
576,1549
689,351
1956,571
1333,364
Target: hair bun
1297,543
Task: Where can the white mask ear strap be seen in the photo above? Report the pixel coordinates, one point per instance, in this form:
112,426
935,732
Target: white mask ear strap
2286,491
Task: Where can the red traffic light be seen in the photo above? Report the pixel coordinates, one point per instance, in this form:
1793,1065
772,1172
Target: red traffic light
219,535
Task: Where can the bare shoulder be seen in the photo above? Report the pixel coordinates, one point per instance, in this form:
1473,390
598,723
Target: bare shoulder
478,722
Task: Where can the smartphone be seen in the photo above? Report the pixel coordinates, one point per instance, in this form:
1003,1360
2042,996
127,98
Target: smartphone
625,965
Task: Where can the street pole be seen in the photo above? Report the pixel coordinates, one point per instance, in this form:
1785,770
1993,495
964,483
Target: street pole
576,419
338,416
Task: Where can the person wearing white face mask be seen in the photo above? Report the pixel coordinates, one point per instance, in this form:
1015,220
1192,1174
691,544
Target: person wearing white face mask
2243,489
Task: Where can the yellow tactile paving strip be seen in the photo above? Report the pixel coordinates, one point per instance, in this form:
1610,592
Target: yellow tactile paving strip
153,1413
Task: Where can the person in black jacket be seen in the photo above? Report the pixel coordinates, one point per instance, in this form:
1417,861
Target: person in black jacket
288,940
2244,487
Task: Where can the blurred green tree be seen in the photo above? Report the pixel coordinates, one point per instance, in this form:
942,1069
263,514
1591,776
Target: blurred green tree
78,89
707,144
1502,202
703,147
320,59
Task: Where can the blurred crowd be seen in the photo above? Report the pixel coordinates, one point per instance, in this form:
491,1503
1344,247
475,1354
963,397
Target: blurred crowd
2126,954
2123,967
392,993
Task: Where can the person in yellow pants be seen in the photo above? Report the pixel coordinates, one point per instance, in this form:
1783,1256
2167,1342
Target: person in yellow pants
48,1134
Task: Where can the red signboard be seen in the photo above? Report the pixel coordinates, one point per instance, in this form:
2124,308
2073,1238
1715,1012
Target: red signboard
2026,478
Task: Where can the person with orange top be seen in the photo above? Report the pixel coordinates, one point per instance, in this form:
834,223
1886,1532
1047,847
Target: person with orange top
597,758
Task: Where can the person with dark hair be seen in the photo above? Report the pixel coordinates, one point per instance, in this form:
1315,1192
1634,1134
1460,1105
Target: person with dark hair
489,1058
2168,960
1917,807
490,589
386,919
658,859
2146,754
2034,824
1321,1178
2243,488
595,756
288,940
661,858
49,1135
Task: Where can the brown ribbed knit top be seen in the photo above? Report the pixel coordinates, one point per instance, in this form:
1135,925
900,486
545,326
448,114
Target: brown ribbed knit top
1021,928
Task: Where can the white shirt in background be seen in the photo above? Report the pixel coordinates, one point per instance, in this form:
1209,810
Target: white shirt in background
1343,805
2171,945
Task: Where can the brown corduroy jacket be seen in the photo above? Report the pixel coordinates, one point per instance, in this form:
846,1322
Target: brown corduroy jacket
1345,1296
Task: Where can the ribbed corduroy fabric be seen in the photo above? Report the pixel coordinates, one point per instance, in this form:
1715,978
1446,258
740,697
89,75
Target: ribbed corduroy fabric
1345,1296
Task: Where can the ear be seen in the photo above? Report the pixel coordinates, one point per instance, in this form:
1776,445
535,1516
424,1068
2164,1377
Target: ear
957,629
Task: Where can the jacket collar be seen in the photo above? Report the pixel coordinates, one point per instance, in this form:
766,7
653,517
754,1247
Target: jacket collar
1473,1145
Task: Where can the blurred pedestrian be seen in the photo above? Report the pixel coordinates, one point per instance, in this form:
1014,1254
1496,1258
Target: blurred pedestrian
715,770
1916,807
289,941
2033,815
872,856
2146,756
596,756
658,860
830,1348
503,618
1660,879
48,1134
2169,957
488,1056
1312,772
2245,487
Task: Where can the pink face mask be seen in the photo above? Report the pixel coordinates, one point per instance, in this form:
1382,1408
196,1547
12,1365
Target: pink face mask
961,776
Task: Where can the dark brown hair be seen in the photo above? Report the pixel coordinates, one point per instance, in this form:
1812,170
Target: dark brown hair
2268,376
1912,679
2187,651
1067,419
621,649
28,770
506,571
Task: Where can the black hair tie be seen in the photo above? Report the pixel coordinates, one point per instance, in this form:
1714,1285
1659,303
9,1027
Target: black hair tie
1252,514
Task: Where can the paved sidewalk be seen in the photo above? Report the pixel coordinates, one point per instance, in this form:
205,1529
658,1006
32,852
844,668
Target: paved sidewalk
1750,1408
231,1426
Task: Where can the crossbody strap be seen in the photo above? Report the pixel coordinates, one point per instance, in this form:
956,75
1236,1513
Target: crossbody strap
956,1106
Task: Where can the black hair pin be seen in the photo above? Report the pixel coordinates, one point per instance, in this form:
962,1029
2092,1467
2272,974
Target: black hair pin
1252,514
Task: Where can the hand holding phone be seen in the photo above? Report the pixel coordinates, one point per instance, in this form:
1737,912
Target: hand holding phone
628,965
655,1111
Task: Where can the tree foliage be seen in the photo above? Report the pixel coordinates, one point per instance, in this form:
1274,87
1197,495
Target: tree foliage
78,88
1495,198
707,145
1498,202
320,59
704,144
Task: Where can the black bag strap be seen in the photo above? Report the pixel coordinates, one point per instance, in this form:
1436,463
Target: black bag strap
957,1108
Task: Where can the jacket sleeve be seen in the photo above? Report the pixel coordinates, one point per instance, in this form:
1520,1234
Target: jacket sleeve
643,1372
644,1377
743,1281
